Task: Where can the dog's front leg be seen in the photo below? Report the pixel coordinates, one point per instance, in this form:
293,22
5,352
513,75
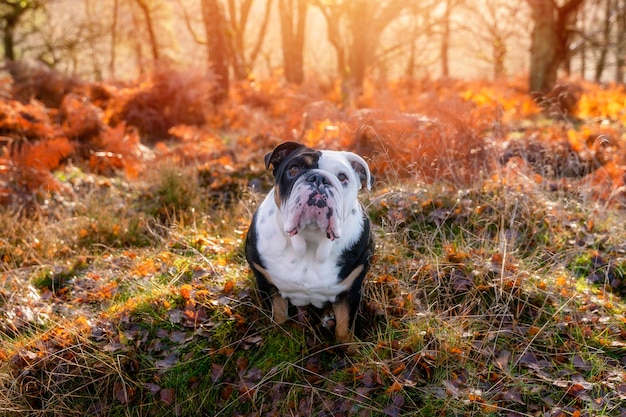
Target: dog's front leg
343,322
279,308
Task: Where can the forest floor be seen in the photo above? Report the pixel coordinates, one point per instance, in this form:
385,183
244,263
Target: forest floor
498,285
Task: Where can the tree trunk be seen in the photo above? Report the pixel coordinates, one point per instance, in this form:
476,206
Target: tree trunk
292,25
620,48
236,23
550,41
445,41
335,39
9,39
143,5
363,21
10,23
605,41
364,39
113,38
261,35
215,25
499,55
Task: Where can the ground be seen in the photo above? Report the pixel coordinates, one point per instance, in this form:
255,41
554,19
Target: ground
497,286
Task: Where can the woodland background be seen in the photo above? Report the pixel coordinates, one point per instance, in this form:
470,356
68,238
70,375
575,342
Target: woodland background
299,39
132,138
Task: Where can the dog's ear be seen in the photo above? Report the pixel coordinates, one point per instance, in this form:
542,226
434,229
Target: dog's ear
280,153
362,170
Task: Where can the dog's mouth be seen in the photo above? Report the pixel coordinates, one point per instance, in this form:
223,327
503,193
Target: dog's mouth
313,206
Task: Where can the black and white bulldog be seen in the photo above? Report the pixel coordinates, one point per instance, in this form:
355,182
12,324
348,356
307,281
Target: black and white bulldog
310,240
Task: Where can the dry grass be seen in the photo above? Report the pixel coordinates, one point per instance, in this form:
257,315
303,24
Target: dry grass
496,289
504,297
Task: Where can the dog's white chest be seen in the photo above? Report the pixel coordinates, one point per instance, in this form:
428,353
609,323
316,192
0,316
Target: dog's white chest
304,281
294,264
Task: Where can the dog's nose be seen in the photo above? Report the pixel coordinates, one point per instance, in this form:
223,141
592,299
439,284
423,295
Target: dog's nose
318,179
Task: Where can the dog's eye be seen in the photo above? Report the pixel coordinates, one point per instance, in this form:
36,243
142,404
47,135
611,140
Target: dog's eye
342,177
293,170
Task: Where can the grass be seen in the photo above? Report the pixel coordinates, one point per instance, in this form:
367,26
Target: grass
132,299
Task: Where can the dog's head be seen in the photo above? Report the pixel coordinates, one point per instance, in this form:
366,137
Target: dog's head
316,188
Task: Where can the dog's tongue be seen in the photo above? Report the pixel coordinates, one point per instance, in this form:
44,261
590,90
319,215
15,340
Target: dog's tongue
318,212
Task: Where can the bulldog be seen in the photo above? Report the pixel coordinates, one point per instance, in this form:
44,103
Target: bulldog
310,240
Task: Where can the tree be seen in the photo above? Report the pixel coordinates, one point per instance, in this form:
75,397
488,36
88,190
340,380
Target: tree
292,24
354,29
217,47
492,24
11,13
147,14
238,19
113,38
605,41
445,38
228,34
550,40
620,42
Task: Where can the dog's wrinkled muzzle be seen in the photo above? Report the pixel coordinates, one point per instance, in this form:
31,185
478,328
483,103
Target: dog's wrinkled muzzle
315,202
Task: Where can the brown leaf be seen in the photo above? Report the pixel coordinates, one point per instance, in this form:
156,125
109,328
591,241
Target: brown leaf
581,364
217,371
459,281
529,360
229,286
242,363
167,362
175,315
226,392
152,387
514,394
362,393
251,341
186,291
167,395
371,379
394,409
254,374
123,393
502,360
313,366
395,387
452,388
180,337
575,390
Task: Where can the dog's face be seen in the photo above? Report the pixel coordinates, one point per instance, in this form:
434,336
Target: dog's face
316,189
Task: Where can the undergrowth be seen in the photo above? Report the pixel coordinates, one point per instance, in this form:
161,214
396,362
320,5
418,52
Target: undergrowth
506,298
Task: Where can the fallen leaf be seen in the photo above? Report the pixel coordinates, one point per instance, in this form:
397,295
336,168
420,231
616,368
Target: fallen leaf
167,395
226,391
575,390
166,363
514,394
228,287
581,364
452,388
395,408
395,387
123,393
242,363
502,360
152,387
217,371
371,379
